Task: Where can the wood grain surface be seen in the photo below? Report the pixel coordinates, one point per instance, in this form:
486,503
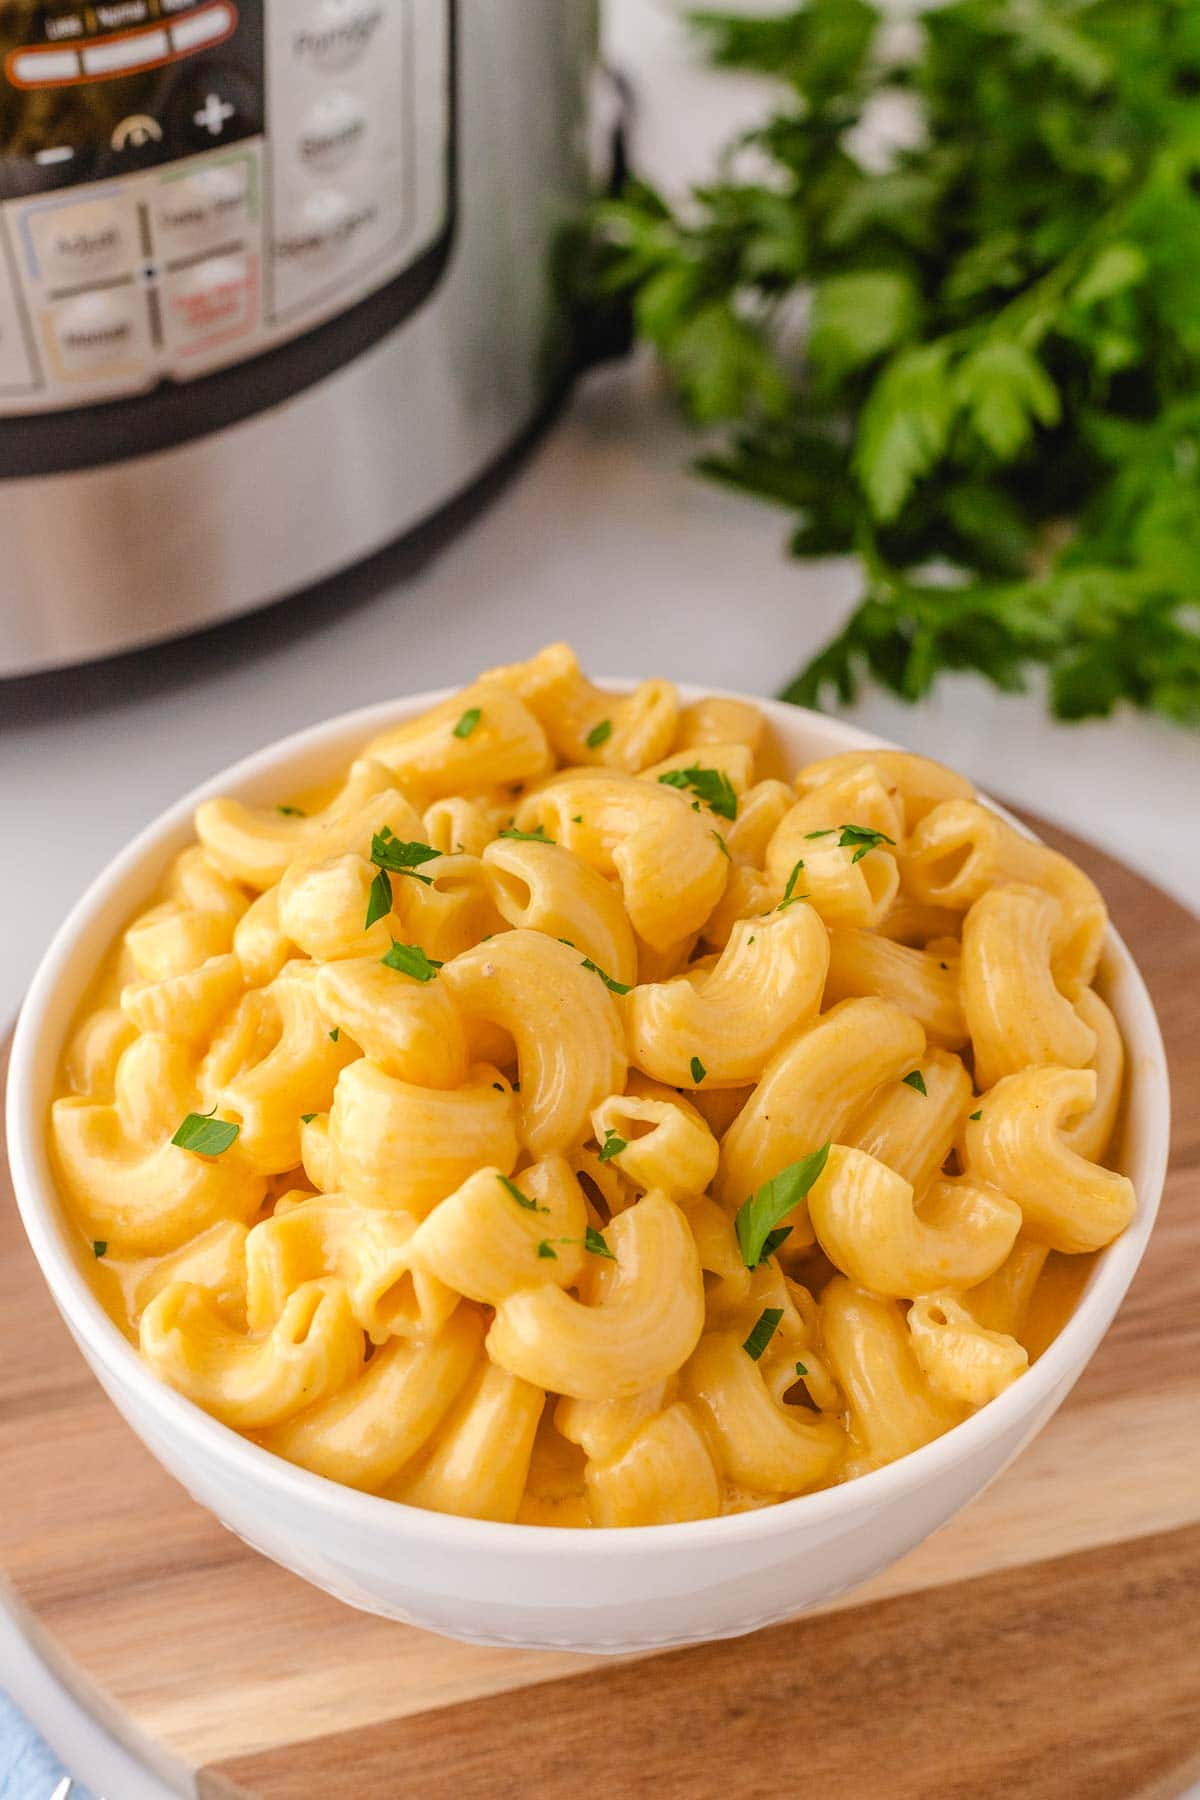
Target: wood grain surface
1046,1642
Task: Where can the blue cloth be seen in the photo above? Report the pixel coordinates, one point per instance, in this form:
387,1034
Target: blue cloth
29,1770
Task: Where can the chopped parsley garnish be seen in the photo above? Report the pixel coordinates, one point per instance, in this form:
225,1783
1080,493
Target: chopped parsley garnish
527,837
713,786
790,896
292,812
759,1216
592,1241
99,1248
410,959
307,1118
698,1070
379,900
599,734
722,846
827,832
468,722
613,1146
800,1369
516,1087
594,1244
864,838
916,1080
205,1135
577,819
977,1115
766,1325
610,981
750,940
520,1198
773,1240
335,1034
499,1086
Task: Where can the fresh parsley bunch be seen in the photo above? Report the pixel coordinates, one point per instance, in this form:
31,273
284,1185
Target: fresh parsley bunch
976,366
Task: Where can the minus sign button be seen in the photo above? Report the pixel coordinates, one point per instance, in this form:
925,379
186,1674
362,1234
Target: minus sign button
60,154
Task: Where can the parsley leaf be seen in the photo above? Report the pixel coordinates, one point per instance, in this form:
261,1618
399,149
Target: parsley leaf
335,1034
307,1118
610,981
758,1217
916,1080
864,837
790,896
713,786
765,1327
722,846
379,899
976,1115
410,959
698,1070
292,812
594,1243
527,837
997,410
388,852
612,1146
205,1135
468,722
599,734
521,1199
800,1369
99,1248
545,1250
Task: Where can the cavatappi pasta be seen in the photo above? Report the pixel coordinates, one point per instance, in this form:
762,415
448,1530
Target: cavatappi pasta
564,1119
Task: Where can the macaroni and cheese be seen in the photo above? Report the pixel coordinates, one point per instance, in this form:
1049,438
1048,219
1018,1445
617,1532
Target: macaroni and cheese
568,1119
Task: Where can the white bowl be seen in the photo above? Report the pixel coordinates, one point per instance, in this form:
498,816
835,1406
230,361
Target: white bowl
518,1584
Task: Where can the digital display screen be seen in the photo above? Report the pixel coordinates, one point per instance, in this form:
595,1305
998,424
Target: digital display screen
93,91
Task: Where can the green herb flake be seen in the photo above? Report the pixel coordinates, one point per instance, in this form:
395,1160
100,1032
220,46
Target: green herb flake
916,1080
546,1251
801,1369
698,1070
594,1243
527,837
612,1146
759,1216
766,1325
976,1115
99,1248
713,786
205,1135
307,1118
863,838
292,812
468,722
610,981
577,819
521,1198
722,846
599,734
390,853
335,1034
773,1240
790,896
410,959
379,900
828,831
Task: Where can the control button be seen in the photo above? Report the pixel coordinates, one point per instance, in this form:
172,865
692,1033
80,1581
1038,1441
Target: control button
333,133
43,68
338,34
328,224
209,26
211,206
89,240
97,336
211,302
66,25
214,115
137,51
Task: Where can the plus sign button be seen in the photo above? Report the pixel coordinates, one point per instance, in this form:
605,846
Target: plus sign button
214,105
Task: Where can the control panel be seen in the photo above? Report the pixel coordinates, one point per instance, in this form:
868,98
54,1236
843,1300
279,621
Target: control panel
185,184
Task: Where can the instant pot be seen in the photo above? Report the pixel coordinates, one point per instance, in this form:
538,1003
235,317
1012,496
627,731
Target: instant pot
274,287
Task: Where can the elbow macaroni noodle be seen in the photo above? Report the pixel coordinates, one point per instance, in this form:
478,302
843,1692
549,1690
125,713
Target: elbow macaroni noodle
483,1056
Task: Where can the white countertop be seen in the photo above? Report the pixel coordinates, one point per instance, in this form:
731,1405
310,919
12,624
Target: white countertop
602,537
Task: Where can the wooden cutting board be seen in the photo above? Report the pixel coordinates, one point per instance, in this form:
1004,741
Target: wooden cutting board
1045,1643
